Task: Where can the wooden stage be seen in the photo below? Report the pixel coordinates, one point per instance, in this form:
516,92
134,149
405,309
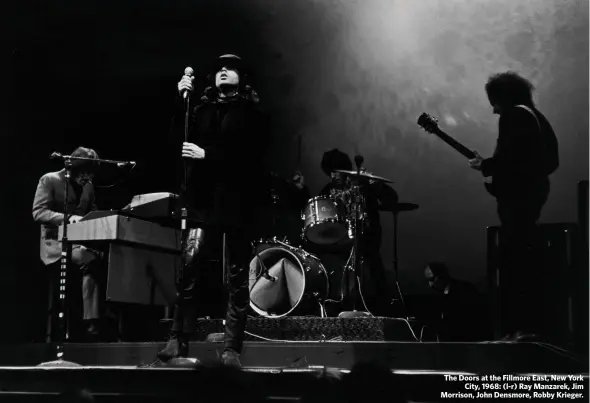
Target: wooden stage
118,372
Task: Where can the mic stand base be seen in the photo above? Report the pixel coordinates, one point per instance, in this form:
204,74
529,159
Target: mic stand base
178,362
354,314
59,363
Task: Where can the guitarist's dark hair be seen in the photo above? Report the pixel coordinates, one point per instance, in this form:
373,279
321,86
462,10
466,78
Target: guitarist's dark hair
510,89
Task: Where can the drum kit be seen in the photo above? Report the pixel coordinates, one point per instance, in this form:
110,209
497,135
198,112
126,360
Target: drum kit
287,280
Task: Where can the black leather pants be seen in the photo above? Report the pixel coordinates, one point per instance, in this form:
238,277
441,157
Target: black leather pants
238,254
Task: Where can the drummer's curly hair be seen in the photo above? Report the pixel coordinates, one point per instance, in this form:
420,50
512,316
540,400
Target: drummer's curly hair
335,159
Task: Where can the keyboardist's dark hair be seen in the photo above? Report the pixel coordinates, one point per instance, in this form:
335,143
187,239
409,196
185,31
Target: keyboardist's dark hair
79,166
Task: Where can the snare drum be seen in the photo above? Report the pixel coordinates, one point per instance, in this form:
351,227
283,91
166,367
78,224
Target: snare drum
300,285
324,221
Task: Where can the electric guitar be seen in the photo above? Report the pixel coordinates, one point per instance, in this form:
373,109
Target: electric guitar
430,125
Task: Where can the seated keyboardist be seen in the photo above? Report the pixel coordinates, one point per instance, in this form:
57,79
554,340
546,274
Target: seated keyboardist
48,208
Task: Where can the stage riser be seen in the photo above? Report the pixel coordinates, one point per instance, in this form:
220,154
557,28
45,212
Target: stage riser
469,357
317,329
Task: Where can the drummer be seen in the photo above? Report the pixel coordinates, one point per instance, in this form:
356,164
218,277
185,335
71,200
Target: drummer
375,291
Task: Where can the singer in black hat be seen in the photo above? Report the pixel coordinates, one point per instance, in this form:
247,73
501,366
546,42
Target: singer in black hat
225,151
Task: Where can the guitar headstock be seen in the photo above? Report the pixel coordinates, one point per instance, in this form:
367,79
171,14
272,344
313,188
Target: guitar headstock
428,123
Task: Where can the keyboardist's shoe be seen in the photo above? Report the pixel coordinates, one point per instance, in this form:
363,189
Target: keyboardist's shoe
177,346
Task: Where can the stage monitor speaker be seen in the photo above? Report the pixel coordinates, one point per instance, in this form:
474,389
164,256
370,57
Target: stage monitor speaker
557,263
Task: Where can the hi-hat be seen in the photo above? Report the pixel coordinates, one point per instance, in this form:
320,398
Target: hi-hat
399,207
364,175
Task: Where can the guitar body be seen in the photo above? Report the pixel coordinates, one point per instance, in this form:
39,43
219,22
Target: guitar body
430,125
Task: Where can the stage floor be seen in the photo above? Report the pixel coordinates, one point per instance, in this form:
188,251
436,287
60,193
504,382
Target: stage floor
117,370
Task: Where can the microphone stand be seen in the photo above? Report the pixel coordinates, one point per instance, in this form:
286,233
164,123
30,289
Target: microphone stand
183,213
182,362
65,256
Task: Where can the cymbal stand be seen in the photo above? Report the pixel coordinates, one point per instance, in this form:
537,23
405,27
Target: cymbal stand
396,262
357,265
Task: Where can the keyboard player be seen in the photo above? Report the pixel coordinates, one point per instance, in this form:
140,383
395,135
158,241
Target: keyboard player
48,212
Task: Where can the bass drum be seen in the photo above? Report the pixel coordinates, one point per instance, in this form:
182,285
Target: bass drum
299,283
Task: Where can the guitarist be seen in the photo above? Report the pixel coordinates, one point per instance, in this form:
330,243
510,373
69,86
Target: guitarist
526,154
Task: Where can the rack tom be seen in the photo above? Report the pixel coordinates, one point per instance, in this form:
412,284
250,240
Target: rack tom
324,221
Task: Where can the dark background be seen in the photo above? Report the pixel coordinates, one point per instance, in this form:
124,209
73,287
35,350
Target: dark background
353,75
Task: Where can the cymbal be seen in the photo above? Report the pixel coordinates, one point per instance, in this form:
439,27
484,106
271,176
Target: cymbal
364,175
399,207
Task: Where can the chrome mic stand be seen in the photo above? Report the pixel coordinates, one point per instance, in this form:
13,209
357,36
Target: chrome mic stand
183,212
184,231
62,334
64,260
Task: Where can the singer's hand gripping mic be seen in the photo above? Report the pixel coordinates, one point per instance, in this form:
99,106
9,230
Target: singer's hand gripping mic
187,72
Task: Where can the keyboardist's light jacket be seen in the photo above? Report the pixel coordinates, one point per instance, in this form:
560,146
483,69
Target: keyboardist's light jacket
48,210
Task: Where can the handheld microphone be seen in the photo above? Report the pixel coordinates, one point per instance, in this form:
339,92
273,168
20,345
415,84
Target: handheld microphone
187,72
125,164
55,155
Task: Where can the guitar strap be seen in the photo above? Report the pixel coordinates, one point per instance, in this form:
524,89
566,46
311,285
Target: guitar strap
526,108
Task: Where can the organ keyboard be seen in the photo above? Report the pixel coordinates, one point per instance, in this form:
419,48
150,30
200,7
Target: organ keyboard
120,228
142,256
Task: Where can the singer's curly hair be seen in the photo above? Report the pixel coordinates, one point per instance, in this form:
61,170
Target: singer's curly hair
510,89
210,95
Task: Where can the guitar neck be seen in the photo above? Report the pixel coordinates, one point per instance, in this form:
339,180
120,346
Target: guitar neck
466,152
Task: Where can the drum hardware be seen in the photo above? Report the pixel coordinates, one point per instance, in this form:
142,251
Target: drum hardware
264,272
304,253
358,211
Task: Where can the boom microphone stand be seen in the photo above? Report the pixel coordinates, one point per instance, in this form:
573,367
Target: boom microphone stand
65,255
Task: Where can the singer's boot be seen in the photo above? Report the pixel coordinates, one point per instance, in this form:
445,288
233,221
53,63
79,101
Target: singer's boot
185,309
235,320
177,346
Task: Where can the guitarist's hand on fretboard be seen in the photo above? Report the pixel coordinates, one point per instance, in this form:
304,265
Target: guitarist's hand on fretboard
476,162
430,125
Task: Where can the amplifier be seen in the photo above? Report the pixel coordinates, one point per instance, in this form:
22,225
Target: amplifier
557,264
582,313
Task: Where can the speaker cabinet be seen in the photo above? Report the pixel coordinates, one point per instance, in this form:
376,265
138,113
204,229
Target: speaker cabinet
582,312
556,263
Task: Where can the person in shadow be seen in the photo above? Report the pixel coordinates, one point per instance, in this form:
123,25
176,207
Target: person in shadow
463,315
